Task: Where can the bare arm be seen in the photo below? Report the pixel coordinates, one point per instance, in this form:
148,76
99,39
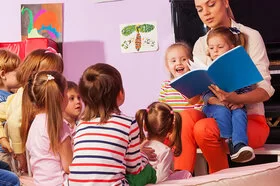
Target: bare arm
194,99
66,154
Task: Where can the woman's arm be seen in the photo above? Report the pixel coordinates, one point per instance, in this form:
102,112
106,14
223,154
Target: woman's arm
66,154
255,96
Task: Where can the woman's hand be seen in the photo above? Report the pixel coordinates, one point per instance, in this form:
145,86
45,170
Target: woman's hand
21,158
224,97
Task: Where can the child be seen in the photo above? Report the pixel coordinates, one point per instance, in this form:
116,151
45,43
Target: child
8,64
11,110
176,59
74,106
159,121
49,138
106,144
231,119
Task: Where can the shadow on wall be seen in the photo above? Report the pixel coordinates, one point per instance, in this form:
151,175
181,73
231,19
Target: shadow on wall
77,56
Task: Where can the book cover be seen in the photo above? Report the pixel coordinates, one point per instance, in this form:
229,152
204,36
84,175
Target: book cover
231,71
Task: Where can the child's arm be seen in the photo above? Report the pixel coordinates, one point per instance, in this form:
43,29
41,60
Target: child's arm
66,154
194,99
135,161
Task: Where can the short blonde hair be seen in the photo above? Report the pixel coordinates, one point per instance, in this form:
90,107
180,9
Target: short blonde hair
9,61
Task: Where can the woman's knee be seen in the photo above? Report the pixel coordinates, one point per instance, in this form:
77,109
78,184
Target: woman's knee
205,129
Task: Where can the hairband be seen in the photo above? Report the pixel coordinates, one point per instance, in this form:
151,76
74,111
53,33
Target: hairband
234,30
49,77
171,112
52,50
147,110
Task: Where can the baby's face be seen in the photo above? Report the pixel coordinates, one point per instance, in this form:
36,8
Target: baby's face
217,45
176,61
74,105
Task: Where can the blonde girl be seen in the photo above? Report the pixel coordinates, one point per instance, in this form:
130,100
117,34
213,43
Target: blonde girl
177,56
49,138
160,121
12,111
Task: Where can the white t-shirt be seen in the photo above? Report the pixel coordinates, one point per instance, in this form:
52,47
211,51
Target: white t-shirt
164,159
256,50
45,166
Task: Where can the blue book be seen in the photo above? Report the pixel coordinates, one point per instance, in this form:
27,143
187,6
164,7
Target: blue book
231,71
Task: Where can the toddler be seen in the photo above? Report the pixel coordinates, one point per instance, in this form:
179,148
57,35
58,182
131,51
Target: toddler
231,118
159,121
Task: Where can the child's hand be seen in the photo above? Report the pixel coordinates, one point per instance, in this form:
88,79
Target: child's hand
150,152
6,145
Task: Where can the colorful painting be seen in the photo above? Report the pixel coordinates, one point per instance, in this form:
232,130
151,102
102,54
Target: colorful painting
42,20
140,37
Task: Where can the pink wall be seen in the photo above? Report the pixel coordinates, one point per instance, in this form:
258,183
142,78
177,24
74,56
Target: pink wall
91,35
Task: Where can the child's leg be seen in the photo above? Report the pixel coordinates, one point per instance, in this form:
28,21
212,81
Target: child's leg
222,115
146,176
239,127
186,160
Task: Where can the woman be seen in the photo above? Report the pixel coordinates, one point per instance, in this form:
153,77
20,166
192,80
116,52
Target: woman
198,131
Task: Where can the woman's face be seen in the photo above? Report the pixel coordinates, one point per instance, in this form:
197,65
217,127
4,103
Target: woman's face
213,13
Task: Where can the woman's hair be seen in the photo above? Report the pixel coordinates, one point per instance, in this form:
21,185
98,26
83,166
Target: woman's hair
160,120
99,88
46,92
38,60
8,62
231,35
183,45
72,86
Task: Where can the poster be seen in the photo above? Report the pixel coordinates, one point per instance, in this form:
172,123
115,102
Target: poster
42,20
138,37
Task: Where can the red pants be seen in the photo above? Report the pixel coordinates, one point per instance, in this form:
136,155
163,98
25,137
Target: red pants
198,131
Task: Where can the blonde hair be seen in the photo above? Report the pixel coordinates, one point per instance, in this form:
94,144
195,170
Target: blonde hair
159,119
181,44
46,92
99,88
8,62
233,38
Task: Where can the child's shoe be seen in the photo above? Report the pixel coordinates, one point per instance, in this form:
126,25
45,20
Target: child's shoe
240,153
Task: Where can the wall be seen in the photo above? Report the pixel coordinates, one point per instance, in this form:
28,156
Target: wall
91,35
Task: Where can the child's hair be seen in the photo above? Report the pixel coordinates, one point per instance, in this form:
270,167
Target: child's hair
99,88
184,45
8,61
231,34
159,120
38,60
72,86
46,91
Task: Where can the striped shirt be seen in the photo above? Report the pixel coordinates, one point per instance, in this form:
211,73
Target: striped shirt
175,99
104,153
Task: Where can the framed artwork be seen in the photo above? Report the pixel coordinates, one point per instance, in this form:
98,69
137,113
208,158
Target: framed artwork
42,20
138,37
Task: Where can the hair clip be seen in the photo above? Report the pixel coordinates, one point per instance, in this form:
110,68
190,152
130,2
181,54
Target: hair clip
234,30
171,112
147,110
49,77
52,50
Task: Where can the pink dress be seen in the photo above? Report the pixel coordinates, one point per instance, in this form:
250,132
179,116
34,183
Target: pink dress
45,166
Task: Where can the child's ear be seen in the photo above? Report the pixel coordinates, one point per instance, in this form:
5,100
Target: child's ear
120,98
2,74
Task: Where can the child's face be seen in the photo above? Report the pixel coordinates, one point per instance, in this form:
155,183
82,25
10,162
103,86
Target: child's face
74,106
177,60
9,80
217,45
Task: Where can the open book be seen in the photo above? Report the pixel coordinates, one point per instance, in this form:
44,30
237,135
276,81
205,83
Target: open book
231,71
